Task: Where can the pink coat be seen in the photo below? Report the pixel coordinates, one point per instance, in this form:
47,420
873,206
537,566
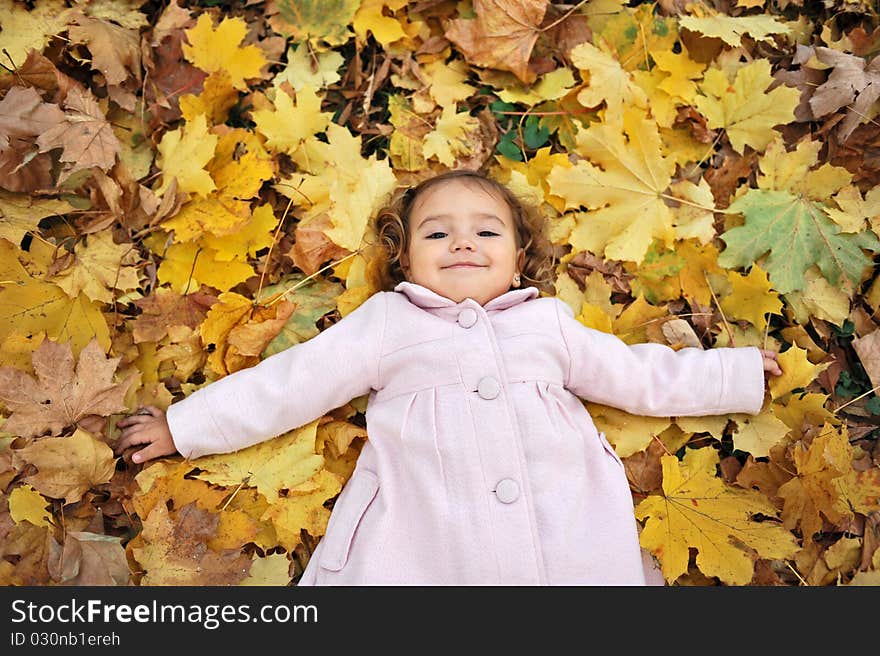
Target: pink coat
482,465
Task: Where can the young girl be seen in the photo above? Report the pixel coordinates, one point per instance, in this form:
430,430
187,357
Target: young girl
482,465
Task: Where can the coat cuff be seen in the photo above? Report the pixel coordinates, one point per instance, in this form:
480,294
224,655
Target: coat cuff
742,388
192,426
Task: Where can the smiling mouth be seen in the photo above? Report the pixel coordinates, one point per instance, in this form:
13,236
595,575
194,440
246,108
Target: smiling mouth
464,266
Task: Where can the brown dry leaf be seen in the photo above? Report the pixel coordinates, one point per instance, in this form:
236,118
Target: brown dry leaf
67,467
175,550
61,395
502,36
680,334
312,248
87,138
88,559
23,115
868,350
115,52
28,547
164,308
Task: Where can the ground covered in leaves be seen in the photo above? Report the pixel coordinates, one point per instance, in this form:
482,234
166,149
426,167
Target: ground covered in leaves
185,190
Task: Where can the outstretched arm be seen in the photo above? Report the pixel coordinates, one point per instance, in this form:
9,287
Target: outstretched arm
284,391
656,380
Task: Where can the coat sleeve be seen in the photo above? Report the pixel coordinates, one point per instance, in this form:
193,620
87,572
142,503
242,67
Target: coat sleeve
655,379
286,390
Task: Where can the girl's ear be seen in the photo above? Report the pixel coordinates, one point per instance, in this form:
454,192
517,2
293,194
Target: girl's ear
520,259
404,264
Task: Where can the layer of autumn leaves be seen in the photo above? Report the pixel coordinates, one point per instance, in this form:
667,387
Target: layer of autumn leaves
186,190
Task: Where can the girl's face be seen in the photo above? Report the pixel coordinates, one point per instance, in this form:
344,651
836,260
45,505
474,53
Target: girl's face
462,242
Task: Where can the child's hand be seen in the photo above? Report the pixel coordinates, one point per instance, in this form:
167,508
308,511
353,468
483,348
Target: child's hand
148,426
771,364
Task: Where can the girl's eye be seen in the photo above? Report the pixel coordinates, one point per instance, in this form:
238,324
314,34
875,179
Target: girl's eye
489,233
433,235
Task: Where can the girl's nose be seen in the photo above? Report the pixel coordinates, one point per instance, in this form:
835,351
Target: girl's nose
462,242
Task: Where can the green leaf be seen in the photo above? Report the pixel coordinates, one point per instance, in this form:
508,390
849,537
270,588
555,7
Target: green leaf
508,148
873,405
534,134
798,234
498,108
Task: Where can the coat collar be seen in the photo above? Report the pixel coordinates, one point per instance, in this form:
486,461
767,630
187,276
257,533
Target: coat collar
427,299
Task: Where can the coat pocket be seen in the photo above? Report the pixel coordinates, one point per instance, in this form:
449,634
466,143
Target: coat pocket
610,449
347,514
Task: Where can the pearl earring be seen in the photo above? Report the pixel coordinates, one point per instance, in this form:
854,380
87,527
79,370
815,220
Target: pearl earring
516,280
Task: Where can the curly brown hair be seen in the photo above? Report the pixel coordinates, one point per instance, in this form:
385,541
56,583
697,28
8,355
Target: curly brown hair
392,237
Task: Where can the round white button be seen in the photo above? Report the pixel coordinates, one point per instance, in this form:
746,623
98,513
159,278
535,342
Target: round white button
488,388
507,490
467,317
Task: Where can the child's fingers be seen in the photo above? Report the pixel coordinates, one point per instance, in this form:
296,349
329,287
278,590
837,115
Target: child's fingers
147,453
131,438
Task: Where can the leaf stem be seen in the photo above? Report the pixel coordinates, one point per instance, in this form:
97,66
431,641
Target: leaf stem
309,278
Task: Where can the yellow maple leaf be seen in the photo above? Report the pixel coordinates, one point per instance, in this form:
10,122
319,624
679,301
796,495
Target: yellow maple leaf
632,324
608,81
216,99
183,154
452,136
794,171
701,261
797,372
165,480
852,209
205,216
698,510
303,508
26,27
219,50
405,144
280,463
288,125
800,410
820,299
369,18
682,73
29,306
756,434
342,184
101,267
186,266
240,165
550,86
694,217
731,29
316,70
712,424
28,505
256,234
751,298
627,432
743,107
273,569
447,82
820,487
20,213
623,190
